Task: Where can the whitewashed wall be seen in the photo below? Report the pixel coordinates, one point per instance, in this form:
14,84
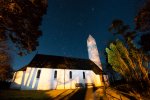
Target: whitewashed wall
29,80
17,79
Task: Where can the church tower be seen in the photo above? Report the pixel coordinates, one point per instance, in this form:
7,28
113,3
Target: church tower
93,51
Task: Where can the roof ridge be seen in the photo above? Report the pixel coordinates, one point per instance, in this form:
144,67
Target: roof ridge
62,62
62,56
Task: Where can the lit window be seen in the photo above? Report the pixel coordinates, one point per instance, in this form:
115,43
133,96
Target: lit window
55,74
38,74
70,74
83,75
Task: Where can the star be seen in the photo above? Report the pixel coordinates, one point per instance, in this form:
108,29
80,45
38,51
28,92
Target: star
92,9
80,24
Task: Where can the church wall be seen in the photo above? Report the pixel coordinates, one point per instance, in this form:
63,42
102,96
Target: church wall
97,79
46,80
59,80
29,79
77,77
17,80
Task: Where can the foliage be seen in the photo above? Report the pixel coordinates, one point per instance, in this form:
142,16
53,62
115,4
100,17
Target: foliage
142,20
5,60
145,42
119,27
130,63
142,28
20,21
110,72
128,60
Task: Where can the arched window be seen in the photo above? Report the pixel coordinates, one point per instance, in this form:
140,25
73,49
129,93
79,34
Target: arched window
55,74
38,74
70,74
83,75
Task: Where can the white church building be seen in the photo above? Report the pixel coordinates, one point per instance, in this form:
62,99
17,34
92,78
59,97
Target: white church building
46,72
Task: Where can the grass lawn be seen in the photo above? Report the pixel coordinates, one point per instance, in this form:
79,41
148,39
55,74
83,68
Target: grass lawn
70,94
32,94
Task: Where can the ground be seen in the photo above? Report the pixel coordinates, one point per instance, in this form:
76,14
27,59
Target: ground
70,94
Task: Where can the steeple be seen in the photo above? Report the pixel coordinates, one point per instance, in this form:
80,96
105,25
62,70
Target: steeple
93,51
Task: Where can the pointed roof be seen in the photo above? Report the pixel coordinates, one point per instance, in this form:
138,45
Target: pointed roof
60,62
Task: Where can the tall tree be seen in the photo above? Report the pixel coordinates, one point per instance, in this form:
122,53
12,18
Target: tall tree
142,26
20,22
142,22
5,62
131,64
128,60
145,42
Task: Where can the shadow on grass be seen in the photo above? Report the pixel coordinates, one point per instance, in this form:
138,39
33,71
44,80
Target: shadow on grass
24,95
76,94
83,93
134,89
79,95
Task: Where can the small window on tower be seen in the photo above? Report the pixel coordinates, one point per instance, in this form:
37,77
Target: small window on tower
70,74
55,74
83,75
38,74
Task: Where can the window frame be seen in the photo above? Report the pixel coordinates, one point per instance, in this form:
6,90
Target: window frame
38,73
55,74
70,74
83,75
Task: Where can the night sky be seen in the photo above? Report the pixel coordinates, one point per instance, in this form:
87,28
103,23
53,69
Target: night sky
68,23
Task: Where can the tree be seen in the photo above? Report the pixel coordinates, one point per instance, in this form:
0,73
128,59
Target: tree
109,71
142,28
5,62
20,21
131,64
145,42
129,60
142,20
118,27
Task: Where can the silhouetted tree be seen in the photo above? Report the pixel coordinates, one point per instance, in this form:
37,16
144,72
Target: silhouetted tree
5,62
20,22
142,23
142,20
118,27
128,60
145,42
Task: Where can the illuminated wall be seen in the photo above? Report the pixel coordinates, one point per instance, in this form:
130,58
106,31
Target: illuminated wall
46,80
17,79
